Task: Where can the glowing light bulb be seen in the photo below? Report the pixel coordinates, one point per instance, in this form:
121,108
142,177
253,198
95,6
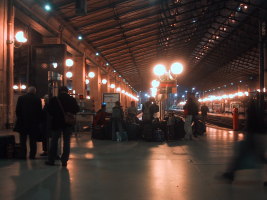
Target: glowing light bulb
69,74
159,70
91,74
177,68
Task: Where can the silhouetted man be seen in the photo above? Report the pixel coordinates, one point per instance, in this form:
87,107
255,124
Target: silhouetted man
57,106
28,112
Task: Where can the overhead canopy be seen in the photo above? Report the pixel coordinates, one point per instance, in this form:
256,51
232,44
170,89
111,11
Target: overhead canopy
216,40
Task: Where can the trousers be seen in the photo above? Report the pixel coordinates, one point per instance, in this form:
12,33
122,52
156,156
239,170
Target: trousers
56,134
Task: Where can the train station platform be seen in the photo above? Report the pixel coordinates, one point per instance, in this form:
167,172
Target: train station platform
135,170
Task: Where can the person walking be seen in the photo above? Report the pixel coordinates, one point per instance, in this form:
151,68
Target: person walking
117,118
28,113
58,107
254,144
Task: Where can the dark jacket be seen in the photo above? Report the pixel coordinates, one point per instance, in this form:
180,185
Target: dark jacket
204,110
117,113
100,118
68,103
191,107
255,117
28,112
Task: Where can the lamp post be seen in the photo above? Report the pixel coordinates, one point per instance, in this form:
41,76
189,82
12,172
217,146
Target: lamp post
167,77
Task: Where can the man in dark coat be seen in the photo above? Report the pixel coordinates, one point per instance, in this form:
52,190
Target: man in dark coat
28,112
191,112
57,106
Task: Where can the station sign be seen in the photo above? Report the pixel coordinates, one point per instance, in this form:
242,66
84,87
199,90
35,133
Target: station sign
167,87
164,84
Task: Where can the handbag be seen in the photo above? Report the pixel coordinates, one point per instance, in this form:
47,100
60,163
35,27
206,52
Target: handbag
69,118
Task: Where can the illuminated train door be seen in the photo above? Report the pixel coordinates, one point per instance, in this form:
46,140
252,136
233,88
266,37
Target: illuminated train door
47,68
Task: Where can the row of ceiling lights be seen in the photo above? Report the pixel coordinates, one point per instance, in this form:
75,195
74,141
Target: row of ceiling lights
70,63
204,47
224,86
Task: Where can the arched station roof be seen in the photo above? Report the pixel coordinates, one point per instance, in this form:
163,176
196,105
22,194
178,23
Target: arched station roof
216,40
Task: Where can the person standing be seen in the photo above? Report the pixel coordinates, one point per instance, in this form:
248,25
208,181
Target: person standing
45,127
57,107
28,113
132,112
100,118
204,112
117,118
191,112
150,108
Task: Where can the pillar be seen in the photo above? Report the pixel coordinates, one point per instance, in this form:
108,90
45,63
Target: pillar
78,79
262,35
7,114
265,66
108,83
95,90
104,87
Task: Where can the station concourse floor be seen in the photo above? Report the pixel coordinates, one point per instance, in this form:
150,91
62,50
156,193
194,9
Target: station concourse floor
135,170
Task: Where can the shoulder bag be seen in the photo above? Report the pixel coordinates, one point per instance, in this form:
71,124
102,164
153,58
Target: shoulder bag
69,118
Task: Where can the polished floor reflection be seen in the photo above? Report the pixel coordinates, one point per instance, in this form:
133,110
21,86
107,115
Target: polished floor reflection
136,170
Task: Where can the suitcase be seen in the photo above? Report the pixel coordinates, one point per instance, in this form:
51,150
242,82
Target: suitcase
108,130
158,135
7,143
132,131
170,133
121,136
147,132
18,154
163,126
199,128
98,133
179,131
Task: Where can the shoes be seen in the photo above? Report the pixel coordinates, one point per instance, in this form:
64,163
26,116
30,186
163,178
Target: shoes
44,154
49,163
32,157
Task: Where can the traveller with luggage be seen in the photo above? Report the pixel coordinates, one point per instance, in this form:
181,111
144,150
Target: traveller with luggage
100,123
